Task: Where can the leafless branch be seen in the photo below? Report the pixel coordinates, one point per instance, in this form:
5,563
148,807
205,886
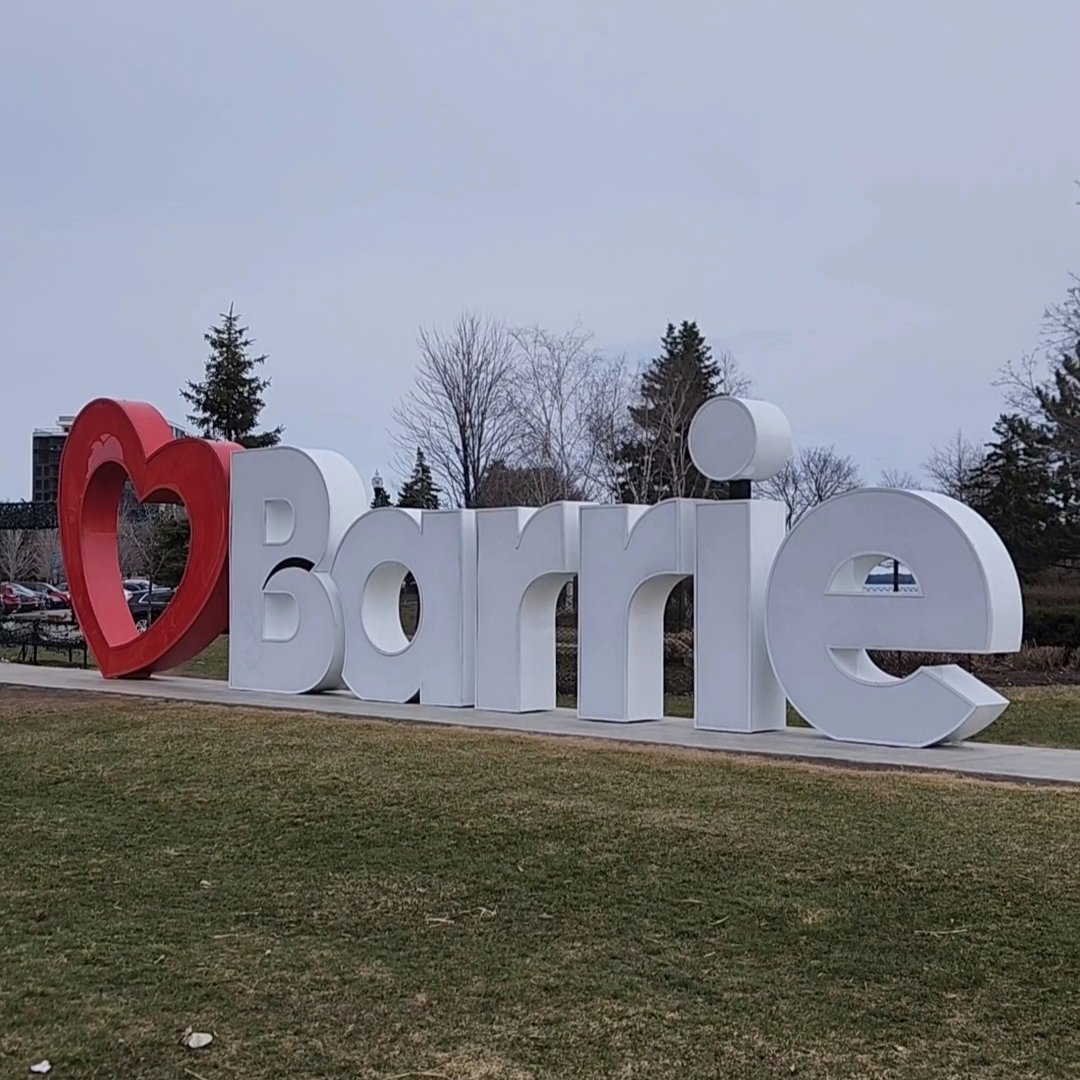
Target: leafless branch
954,468
460,408
732,379
142,539
1025,381
1020,382
608,421
18,558
814,475
899,478
564,400
1061,322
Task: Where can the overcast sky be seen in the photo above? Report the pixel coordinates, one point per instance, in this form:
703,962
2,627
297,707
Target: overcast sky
869,204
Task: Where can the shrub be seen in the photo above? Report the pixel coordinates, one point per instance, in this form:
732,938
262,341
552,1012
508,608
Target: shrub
1058,625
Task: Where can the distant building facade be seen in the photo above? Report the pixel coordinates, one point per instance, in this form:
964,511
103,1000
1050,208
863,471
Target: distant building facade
48,445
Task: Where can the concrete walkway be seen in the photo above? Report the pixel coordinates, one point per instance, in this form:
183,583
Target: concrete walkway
987,760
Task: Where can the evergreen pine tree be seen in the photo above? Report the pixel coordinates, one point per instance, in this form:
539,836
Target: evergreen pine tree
1029,484
1014,491
227,403
419,492
174,538
655,461
1060,401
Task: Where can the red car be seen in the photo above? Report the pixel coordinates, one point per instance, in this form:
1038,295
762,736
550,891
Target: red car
15,598
54,598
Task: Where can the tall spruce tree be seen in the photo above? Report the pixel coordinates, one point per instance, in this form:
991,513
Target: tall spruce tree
1014,491
227,403
1029,485
420,492
175,539
1060,401
654,461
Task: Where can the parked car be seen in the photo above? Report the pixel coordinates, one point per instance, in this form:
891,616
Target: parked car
54,598
134,586
9,599
17,598
148,605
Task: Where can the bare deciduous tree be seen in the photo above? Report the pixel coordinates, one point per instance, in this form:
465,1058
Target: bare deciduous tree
1020,382
522,485
827,473
1024,382
899,478
954,468
48,558
609,429
130,543
784,486
18,557
1061,322
546,409
460,409
812,476
564,398
731,379
146,540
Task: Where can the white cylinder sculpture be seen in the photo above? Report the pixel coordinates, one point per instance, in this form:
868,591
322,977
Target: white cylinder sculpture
739,439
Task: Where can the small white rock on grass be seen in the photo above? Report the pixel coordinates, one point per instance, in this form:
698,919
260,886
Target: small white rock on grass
196,1040
42,1067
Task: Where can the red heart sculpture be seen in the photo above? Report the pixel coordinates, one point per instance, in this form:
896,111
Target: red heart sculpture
110,442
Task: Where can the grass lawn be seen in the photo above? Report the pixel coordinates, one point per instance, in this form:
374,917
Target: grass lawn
212,663
344,899
1036,716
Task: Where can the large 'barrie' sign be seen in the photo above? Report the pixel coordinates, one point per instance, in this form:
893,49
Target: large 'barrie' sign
286,554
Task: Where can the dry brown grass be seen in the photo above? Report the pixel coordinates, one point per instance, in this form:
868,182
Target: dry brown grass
370,900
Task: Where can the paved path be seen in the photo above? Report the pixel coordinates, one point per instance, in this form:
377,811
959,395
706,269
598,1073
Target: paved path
986,760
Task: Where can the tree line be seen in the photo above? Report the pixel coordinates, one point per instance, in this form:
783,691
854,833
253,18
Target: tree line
1026,479
523,417
506,416
512,416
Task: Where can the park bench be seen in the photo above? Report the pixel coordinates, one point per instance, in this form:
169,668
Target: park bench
30,637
